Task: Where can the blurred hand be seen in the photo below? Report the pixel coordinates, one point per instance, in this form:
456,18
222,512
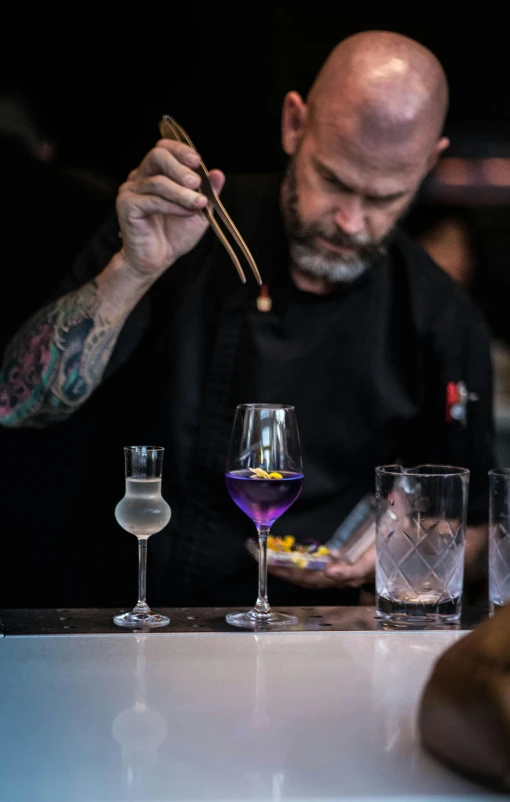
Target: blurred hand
160,208
476,556
337,575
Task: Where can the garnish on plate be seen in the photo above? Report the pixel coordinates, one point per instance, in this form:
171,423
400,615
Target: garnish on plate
284,551
288,544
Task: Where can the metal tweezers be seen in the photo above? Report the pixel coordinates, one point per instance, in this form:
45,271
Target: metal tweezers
170,129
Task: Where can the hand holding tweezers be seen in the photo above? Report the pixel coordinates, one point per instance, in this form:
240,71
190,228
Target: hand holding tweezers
170,129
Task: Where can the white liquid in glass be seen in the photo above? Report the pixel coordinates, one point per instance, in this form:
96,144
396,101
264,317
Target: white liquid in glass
143,511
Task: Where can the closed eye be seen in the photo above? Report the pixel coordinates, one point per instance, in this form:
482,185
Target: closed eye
336,182
385,200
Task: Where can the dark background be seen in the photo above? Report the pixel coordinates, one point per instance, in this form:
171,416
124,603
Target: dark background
100,88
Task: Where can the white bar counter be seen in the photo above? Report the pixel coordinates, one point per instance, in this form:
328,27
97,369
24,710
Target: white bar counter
204,715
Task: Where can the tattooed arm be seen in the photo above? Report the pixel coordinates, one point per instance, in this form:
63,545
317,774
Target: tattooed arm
58,358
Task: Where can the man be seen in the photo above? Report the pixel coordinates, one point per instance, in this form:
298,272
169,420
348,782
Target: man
364,336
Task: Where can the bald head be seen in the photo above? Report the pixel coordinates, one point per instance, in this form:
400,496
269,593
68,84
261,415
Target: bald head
383,87
359,147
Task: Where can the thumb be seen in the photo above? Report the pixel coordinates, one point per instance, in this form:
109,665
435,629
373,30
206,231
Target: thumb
217,179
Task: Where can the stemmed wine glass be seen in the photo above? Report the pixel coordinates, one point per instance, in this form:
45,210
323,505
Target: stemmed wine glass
143,511
264,477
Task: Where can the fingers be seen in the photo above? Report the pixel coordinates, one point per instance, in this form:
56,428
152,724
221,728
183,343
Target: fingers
336,575
164,183
353,575
217,180
166,173
165,189
175,159
131,206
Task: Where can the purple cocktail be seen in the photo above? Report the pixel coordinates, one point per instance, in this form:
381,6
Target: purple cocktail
263,434
263,500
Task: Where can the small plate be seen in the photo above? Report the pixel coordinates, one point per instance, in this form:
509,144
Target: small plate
290,559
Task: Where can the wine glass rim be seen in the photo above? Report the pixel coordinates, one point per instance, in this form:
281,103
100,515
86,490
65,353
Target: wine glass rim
264,406
426,469
500,472
144,448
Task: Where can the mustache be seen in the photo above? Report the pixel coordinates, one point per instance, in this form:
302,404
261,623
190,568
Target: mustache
339,238
362,242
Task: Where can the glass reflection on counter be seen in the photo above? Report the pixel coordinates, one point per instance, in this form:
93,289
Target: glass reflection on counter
139,729
259,742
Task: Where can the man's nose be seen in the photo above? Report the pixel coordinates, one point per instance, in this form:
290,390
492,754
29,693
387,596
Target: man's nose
349,215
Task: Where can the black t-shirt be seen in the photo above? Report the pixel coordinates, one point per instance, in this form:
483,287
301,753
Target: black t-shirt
366,368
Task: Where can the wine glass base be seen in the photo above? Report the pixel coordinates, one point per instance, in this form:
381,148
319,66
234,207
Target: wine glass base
141,620
255,620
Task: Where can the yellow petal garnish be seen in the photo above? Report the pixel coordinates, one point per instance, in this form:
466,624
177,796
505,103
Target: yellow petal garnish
274,544
300,554
260,472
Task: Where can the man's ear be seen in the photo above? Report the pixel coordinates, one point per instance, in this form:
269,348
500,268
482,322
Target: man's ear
293,121
441,146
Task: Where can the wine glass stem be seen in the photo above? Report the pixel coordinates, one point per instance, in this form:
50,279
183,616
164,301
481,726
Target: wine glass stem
262,604
141,605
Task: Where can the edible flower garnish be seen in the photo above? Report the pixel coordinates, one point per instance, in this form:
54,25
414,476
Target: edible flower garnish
288,544
260,473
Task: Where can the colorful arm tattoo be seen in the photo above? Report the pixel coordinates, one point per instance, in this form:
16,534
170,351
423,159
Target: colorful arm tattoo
56,360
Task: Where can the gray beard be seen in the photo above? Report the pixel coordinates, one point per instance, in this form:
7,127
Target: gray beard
335,269
319,262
